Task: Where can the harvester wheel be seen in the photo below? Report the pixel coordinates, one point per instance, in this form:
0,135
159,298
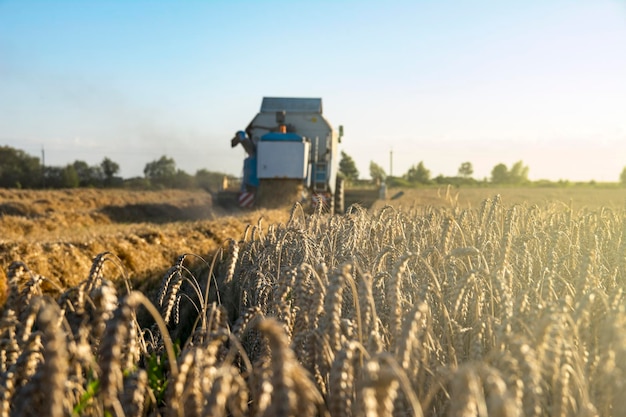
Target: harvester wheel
339,196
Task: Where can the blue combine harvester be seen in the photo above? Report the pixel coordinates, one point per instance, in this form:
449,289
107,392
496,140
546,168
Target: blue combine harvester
292,153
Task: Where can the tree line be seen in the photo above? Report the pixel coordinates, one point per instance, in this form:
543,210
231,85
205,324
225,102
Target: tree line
419,174
20,170
516,174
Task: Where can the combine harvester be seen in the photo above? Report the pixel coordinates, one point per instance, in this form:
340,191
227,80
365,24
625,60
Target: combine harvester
292,155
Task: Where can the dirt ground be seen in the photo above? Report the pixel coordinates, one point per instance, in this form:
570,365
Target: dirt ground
56,234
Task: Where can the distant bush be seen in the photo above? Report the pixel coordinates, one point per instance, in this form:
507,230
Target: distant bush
398,182
455,181
137,183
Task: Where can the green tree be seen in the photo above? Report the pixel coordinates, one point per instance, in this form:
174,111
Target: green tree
466,170
70,177
18,169
500,174
347,167
109,170
88,176
53,177
161,171
622,177
211,181
377,172
518,173
183,180
418,173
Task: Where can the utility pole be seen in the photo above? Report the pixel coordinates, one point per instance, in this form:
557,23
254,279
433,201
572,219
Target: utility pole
43,167
391,162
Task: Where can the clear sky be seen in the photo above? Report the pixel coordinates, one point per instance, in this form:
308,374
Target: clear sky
444,82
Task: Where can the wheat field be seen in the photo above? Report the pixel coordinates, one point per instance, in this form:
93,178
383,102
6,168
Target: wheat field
493,310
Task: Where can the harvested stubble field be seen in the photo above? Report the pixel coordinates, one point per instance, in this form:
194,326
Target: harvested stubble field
450,307
58,233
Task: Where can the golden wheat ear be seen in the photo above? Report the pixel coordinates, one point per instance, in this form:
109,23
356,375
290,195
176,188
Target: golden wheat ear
45,392
293,392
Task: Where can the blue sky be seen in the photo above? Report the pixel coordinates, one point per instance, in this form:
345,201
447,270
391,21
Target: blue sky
442,82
